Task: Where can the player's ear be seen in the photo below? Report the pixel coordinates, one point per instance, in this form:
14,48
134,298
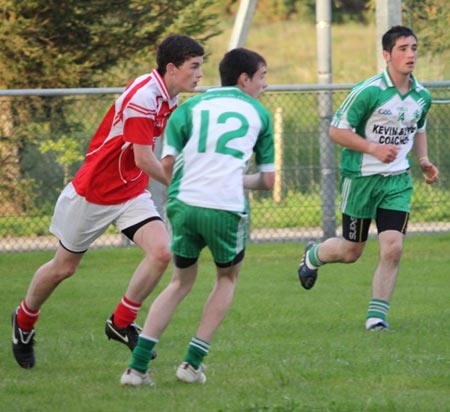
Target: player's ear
243,80
386,56
171,68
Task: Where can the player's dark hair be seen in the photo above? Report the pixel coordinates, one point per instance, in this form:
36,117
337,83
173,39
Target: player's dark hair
238,61
393,34
176,49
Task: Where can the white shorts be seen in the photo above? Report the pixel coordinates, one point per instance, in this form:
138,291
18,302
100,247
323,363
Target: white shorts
78,223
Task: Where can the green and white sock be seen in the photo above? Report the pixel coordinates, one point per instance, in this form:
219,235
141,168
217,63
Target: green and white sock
198,349
312,258
142,353
378,309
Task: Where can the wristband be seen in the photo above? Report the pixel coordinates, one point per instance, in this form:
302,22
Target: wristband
423,159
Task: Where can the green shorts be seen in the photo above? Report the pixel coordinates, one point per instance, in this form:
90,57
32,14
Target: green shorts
193,228
362,196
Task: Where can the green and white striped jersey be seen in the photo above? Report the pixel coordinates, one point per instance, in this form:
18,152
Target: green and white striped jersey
212,137
376,111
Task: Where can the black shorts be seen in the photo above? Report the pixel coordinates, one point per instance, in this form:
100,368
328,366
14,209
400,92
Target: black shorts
356,229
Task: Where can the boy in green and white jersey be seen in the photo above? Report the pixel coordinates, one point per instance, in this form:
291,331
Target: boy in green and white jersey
215,132
208,142
376,111
378,124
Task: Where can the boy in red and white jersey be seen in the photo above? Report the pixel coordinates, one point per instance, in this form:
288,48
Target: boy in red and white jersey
111,188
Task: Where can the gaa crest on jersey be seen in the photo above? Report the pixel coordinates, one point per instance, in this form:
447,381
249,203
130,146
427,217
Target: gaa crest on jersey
417,115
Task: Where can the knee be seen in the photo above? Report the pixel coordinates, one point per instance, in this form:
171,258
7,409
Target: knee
392,253
69,269
64,270
163,255
352,255
183,288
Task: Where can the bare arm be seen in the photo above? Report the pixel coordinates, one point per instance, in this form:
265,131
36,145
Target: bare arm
420,149
259,181
386,153
167,164
147,161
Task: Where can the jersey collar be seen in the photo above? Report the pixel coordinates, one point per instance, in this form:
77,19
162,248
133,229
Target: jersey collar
163,89
389,83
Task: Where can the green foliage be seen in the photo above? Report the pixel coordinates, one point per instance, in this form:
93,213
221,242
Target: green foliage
296,209
19,196
49,137
54,44
425,202
31,225
305,10
280,348
24,226
67,152
430,19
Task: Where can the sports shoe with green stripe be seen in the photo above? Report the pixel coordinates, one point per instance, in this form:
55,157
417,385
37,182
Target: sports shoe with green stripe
306,275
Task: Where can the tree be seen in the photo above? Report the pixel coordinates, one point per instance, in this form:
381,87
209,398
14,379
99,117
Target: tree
73,43
430,20
70,43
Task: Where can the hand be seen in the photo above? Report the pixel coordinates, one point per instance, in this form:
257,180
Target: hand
386,153
430,171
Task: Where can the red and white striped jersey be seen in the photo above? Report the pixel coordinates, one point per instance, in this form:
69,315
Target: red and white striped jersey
109,174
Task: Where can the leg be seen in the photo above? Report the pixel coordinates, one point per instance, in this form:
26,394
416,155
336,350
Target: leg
391,230
44,282
214,312
153,239
345,250
340,250
50,275
385,276
330,251
159,316
164,306
219,302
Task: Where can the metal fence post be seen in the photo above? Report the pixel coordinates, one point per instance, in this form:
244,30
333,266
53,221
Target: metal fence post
278,137
325,110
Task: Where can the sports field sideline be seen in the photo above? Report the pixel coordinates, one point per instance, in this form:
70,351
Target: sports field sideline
281,348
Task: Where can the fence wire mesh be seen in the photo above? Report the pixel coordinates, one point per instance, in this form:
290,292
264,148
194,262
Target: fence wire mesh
44,135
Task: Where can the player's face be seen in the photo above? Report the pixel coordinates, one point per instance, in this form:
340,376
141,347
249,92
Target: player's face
402,58
256,85
186,77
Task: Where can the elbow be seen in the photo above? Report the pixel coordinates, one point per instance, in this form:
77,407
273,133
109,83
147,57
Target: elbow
268,181
140,164
332,134
167,165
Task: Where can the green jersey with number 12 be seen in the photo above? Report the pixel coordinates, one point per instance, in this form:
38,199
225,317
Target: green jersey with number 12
376,111
212,137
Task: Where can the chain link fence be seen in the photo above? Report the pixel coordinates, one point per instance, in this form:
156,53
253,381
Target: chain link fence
45,133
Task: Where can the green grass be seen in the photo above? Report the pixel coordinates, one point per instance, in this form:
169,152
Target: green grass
268,214
290,48
280,349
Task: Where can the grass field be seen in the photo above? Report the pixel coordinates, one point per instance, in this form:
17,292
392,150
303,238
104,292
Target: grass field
290,48
281,348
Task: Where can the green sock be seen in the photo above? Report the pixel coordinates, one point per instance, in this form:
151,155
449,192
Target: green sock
378,309
142,354
313,258
198,349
